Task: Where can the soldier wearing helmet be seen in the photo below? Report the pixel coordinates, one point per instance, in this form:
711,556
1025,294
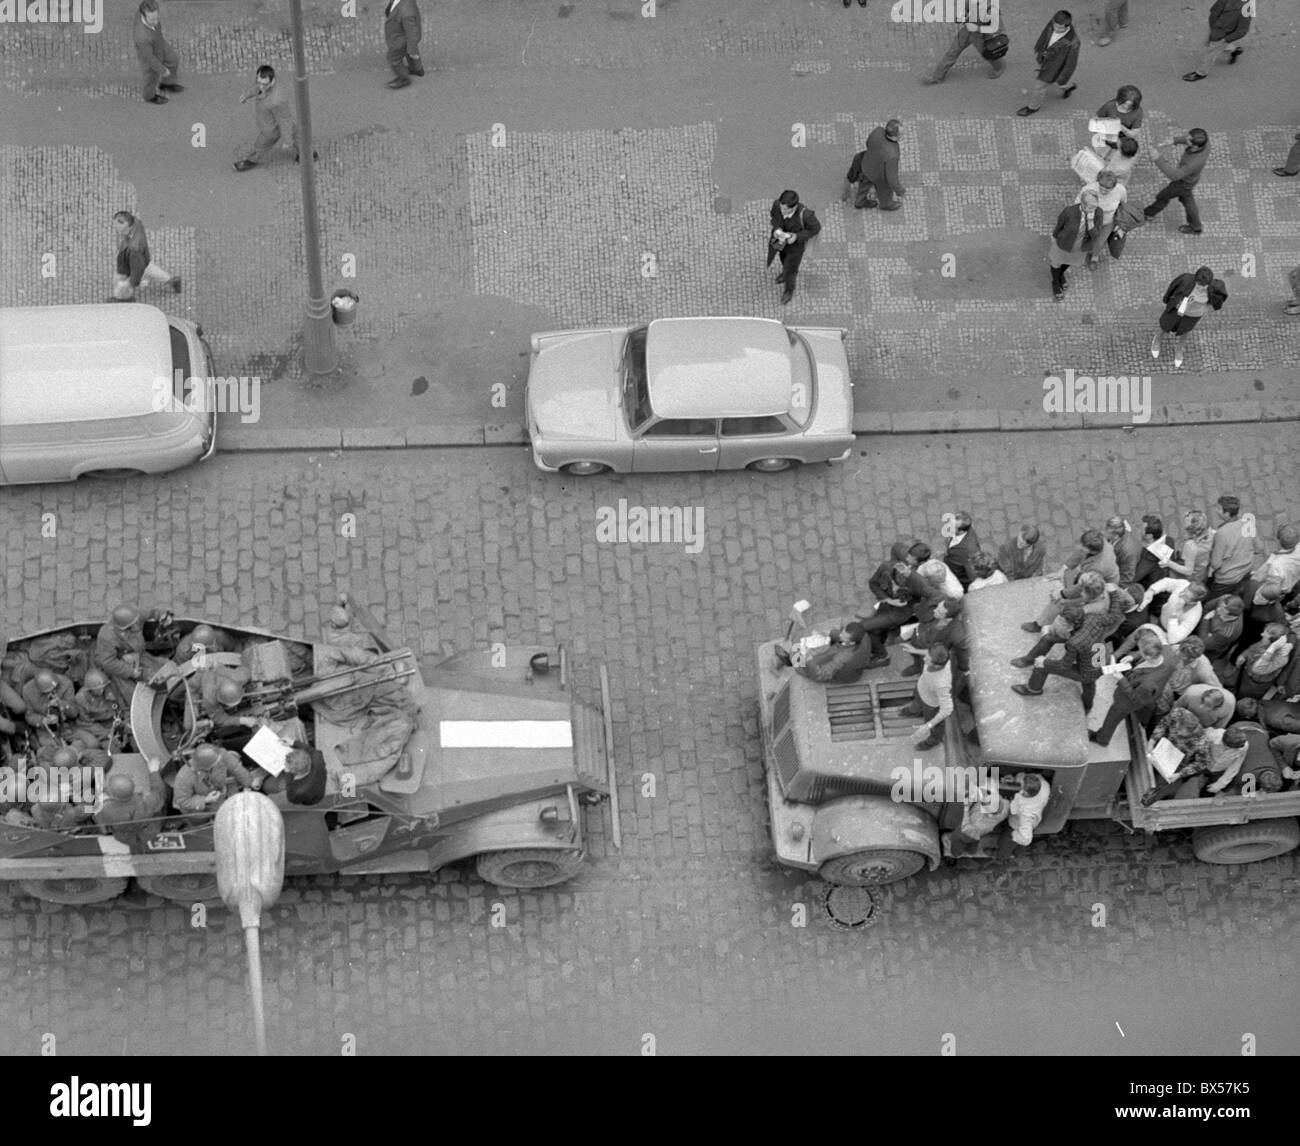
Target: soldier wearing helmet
58,812
49,698
125,804
97,706
120,651
203,638
208,778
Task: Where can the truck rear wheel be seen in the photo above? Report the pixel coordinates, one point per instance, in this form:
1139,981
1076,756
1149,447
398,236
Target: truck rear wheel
529,867
1245,843
182,887
74,891
871,866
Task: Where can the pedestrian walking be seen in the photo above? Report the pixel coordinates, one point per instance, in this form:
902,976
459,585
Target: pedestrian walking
1115,18
793,225
861,3
1183,178
875,170
1105,193
1071,240
1057,55
402,31
1293,280
274,118
1292,164
1229,22
1186,300
135,265
992,47
157,57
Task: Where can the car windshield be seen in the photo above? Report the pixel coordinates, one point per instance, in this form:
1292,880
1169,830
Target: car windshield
803,381
636,391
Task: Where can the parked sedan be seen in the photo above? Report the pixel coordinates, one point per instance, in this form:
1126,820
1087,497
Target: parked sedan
689,394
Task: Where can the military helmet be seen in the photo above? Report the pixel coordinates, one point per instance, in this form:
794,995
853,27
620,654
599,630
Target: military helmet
121,787
95,680
65,758
203,635
229,693
206,755
46,681
124,616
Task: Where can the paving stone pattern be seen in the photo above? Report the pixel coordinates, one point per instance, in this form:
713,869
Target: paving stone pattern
688,932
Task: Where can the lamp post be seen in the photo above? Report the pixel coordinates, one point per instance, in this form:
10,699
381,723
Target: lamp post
318,353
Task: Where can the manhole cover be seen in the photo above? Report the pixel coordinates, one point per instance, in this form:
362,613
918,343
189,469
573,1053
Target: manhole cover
850,908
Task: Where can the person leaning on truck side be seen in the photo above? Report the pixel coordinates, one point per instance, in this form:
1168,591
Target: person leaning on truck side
932,700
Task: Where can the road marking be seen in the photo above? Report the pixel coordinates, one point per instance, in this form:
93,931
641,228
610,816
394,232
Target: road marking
1120,1029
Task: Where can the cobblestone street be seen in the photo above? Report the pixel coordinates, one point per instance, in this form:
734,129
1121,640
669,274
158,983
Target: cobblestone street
689,933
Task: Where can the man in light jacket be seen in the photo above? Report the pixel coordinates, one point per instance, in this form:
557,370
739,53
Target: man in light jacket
1229,22
1057,54
875,170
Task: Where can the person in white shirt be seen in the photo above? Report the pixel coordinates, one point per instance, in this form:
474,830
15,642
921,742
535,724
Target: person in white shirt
1182,611
1283,565
1027,807
932,700
985,568
941,577
1106,192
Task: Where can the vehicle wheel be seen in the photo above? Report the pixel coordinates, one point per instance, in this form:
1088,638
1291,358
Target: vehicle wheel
772,465
74,890
872,866
1245,843
111,475
182,887
529,867
585,469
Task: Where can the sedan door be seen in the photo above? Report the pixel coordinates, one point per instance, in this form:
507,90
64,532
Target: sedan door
675,445
747,440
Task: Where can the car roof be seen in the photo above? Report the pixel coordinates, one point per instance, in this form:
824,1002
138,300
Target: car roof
718,367
76,363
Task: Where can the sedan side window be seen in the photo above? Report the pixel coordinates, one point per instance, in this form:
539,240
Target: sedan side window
682,428
752,427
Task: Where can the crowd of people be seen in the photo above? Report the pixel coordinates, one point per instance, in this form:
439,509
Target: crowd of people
1202,632
66,708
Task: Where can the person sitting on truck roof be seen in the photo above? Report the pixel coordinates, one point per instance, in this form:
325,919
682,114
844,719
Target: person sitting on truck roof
827,664
947,628
1094,555
985,567
1022,556
1126,546
1212,706
1080,661
1091,589
962,546
932,700
1066,624
907,592
1181,612
208,777
1136,693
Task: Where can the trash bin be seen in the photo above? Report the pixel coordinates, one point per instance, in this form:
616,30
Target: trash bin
343,304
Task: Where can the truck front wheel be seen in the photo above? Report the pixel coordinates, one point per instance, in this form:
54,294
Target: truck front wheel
1245,843
529,867
871,866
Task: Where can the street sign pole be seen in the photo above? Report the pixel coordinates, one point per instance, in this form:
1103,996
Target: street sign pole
318,353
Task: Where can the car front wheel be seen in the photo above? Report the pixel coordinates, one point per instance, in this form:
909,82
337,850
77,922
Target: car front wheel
585,469
772,465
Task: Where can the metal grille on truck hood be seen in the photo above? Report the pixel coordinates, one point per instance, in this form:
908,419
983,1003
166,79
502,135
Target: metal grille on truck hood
867,710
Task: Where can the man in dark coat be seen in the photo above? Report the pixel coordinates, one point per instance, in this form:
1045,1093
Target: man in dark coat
1022,556
1138,691
875,170
1183,178
402,31
963,548
793,225
158,58
1228,24
1057,55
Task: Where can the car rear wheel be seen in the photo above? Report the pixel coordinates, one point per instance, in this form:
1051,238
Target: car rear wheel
585,469
872,866
74,891
1245,843
529,867
182,887
772,465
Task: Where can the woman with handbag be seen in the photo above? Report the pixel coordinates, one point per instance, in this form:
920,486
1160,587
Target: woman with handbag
1071,237
1187,298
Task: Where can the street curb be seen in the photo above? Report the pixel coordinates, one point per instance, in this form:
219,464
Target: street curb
868,424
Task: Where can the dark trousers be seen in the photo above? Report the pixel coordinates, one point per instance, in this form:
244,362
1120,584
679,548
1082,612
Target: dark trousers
1115,717
791,257
918,707
871,194
404,62
1058,278
1039,676
886,619
152,79
1183,193
1214,589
